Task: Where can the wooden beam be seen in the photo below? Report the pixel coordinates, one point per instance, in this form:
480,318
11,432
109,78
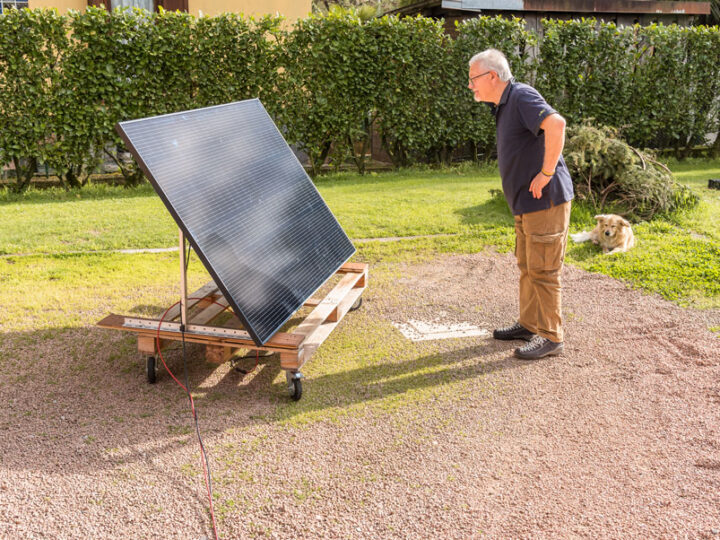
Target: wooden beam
147,344
218,354
353,267
328,307
278,342
204,291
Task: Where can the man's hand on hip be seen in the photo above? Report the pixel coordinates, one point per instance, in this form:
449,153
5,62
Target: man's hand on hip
538,183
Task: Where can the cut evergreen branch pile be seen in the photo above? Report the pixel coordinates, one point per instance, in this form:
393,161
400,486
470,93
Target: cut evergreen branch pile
613,176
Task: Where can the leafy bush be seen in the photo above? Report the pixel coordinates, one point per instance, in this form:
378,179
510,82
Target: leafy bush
327,86
612,175
659,84
31,44
234,58
586,69
413,55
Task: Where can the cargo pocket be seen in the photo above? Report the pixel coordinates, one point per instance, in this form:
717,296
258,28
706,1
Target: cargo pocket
547,251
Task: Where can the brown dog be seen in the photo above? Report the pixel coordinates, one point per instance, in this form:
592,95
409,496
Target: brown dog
613,233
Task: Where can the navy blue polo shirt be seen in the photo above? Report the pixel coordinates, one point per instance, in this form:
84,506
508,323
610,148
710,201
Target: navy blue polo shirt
521,149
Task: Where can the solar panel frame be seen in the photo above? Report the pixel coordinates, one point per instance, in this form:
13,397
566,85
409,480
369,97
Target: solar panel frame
343,253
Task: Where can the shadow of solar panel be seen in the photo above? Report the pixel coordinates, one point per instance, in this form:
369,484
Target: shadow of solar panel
246,205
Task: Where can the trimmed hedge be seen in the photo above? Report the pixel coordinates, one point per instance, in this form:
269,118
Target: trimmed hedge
660,85
31,44
66,80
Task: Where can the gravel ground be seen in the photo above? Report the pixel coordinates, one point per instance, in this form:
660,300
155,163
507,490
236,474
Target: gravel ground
618,438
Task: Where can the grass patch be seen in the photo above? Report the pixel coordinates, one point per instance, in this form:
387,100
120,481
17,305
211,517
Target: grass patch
59,291
676,256
99,217
667,260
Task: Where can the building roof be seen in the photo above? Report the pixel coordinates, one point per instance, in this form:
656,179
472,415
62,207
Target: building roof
565,6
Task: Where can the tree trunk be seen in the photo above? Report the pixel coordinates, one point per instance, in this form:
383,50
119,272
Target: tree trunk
715,150
132,174
23,174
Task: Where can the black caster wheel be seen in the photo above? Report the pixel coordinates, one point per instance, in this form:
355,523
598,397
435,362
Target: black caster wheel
294,385
150,370
356,305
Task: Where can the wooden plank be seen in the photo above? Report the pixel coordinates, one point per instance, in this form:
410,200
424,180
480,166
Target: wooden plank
194,298
210,312
279,341
217,354
209,300
321,333
329,304
345,304
353,267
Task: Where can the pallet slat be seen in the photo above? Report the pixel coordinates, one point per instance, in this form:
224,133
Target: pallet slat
281,340
321,333
194,298
325,309
210,312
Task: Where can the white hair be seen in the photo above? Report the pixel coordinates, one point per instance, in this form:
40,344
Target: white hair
493,60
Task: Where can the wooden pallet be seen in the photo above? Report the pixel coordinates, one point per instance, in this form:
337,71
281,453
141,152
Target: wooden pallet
222,341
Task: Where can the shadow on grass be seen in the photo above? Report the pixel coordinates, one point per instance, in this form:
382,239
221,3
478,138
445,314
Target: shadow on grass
493,212
387,380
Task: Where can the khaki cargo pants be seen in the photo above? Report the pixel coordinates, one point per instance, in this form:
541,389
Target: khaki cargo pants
540,241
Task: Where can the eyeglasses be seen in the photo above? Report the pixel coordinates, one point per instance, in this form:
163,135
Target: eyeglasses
471,80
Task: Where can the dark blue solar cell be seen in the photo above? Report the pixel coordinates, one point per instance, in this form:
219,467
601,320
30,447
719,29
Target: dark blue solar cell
245,204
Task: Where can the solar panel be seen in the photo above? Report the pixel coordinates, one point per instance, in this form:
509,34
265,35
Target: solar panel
246,205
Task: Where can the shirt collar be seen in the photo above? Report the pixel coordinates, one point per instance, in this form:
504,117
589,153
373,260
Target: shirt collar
506,92
503,98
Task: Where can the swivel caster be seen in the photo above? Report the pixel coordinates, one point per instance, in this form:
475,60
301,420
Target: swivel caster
151,370
294,383
356,305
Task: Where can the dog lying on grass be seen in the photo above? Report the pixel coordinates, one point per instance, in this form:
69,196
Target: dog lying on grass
613,233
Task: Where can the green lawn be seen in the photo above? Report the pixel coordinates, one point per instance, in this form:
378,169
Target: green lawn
389,204
677,257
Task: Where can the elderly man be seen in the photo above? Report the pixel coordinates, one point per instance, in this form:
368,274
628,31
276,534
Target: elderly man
538,189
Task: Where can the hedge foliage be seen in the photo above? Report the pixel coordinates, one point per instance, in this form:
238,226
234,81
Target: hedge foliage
65,81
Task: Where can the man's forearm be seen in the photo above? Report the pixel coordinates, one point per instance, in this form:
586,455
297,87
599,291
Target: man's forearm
554,128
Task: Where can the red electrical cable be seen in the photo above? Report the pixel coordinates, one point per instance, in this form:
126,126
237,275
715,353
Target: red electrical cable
192,406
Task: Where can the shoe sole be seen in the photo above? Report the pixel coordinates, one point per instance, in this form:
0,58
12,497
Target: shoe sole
514,338
554,353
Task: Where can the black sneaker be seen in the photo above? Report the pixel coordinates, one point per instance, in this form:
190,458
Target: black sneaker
516,331
539,347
